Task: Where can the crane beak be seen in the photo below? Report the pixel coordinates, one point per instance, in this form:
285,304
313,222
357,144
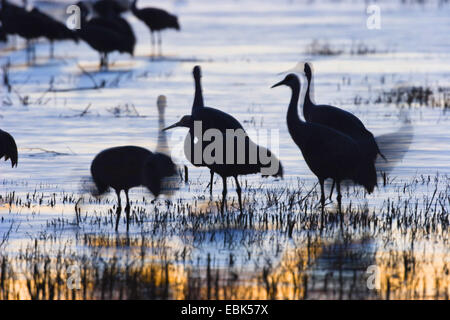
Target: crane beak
172,126
278,84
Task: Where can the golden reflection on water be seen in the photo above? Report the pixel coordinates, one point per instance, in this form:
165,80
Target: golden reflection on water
402,275
418,274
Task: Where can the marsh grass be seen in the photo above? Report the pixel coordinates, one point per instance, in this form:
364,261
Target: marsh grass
416,96
282,248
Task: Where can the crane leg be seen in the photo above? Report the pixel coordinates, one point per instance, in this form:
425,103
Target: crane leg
152,37
106,62
224,193
52,50
322,194
339,196
119,209
239,193
211,182
28,52
33,46
322,201
160,43
332,188
127,210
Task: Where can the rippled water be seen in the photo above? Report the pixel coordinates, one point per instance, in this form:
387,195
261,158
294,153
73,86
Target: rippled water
243,47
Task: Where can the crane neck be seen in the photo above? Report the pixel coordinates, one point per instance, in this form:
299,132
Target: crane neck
293,119
307,103
198,97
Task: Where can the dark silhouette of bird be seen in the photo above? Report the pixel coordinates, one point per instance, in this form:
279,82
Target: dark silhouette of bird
156,20
123,168
101,36
10,15
328,153
340,120
18,21
53,29
8,148
110,12
244,157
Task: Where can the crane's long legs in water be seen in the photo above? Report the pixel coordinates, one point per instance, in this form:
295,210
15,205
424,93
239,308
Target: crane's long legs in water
34,52
322,200
160,43
127,210
224,193
29,54
52,50
119,209
102,61
332,188
322,194
152,37
239,193
211,182
339,196
106,61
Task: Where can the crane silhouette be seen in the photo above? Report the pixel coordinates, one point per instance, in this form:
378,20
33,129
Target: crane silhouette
123,168
8,148
246,155
328,153
339,120
100,34
18,21
52,29
156,20
110,12
10,15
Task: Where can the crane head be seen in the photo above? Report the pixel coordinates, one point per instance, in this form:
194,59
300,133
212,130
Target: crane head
307,69
186,122
291,80
197,72
161,103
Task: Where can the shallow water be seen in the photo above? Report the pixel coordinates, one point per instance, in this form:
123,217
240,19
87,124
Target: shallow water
243,47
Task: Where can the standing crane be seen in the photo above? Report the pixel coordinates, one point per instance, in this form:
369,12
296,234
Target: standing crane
156,20
246,155
123,168
328,153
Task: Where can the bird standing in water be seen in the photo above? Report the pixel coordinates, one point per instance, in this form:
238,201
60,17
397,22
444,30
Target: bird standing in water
246,157
340,120
156,20
123,168
101,34
328,153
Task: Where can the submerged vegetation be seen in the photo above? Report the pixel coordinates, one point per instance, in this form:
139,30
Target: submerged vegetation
411,96
282,249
